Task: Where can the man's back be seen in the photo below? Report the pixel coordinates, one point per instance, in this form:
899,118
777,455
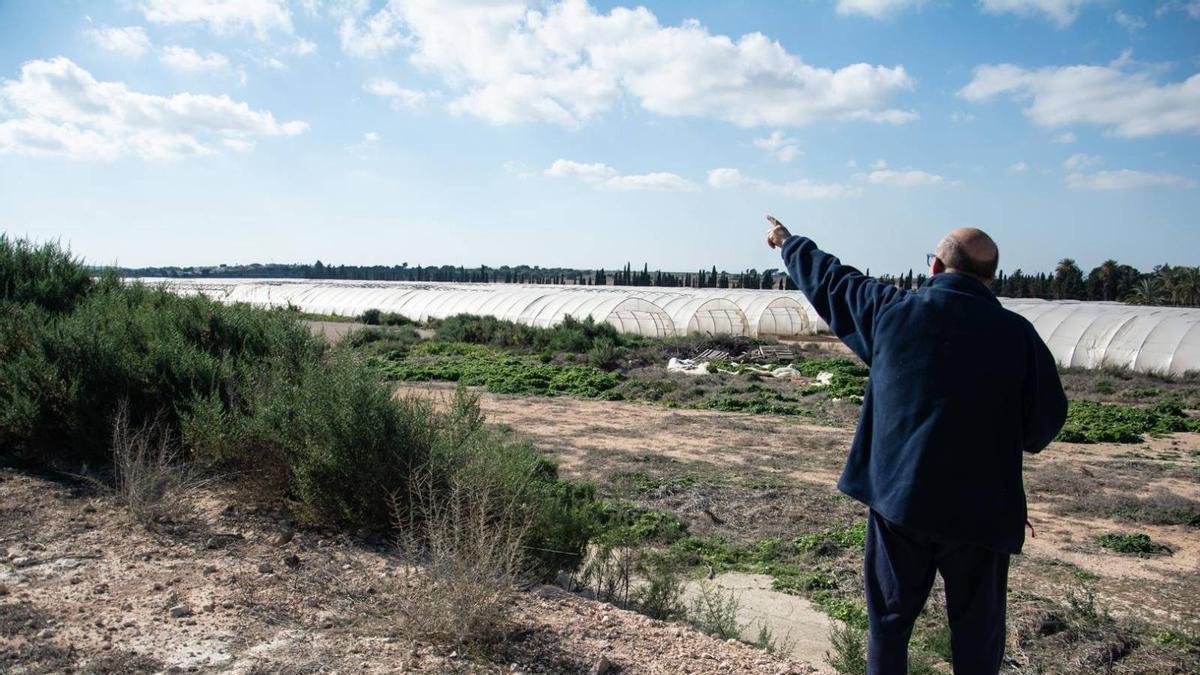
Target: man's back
959,387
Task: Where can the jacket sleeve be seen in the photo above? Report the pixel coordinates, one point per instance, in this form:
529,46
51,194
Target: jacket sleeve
848,300
1045,404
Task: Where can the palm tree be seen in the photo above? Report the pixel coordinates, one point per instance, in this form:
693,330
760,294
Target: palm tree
1148,291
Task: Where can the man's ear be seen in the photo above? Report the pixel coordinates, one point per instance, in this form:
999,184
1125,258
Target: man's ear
938,267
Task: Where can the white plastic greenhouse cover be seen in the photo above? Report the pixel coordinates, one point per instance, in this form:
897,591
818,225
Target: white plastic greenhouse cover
1079,334
1162,340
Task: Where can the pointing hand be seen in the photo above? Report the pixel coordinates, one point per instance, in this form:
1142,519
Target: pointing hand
777,234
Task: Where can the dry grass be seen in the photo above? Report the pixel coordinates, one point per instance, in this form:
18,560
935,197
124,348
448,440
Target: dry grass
150,479
465,561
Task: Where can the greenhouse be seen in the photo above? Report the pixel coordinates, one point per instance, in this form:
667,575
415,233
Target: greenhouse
1163,340
1079,334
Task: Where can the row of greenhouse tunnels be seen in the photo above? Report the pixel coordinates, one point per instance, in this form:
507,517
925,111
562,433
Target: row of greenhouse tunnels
1163,340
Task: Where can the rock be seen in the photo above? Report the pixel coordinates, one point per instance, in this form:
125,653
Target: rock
3,590
23,561
212,543
100,589
265,568
45,634
180,611
210,569
292,561
283,538
601,666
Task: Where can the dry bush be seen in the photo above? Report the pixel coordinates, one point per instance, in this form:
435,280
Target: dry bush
150,479
463,546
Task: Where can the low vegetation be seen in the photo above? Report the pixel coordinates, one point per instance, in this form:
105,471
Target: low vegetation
1092,422
1137,544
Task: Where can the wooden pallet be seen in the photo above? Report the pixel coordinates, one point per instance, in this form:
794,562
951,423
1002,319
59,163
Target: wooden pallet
775,354
711,356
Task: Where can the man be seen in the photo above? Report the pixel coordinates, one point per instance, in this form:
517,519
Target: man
959,387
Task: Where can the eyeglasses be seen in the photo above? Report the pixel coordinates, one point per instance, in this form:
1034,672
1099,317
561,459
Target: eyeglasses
929,258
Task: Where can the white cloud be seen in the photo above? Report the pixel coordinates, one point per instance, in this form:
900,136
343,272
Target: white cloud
239,144
1126,179
563,62
1079,161
902,178
1018,167
1062,12
605,177
223,16
371,36
360,149
302,47
189,60
57,109
879,164
1127,104
1129,22
128,41
960,117
779,146
1066,138
876,9
398,96
798,189
1189,7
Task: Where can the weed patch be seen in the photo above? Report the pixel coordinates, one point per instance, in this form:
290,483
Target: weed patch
1091,422
501,372
1140,545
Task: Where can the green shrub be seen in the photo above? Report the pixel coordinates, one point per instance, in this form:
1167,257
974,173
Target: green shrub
45,276
252,390
1091,422
849,645
370,317
571,336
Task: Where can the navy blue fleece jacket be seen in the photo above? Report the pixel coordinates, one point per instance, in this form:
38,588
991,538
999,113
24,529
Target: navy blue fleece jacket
959,388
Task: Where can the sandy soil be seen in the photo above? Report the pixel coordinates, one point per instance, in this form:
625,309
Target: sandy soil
235,589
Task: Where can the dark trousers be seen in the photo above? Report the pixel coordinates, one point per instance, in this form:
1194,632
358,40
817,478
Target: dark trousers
898,571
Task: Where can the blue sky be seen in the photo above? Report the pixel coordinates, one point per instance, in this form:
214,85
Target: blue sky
588,134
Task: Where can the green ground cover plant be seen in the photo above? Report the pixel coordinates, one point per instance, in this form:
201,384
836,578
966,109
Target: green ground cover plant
1092,422
1137,544
500,371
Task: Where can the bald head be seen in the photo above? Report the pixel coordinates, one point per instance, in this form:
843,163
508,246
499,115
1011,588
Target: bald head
970,251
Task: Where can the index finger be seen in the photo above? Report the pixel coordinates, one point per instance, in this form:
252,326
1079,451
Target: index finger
776,223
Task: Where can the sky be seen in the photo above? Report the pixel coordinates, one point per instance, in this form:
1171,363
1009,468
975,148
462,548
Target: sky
587,134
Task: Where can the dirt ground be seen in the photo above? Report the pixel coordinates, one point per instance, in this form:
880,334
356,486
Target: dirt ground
763,475
234,588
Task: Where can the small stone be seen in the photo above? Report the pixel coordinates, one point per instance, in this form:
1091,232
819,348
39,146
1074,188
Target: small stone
45,634
283,538
292,561
89,509
3,590
264,568
180,611
100,589
213,543
23,562
601,666
210,569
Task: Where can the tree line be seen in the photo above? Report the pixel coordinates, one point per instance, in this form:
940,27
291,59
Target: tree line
1110,280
